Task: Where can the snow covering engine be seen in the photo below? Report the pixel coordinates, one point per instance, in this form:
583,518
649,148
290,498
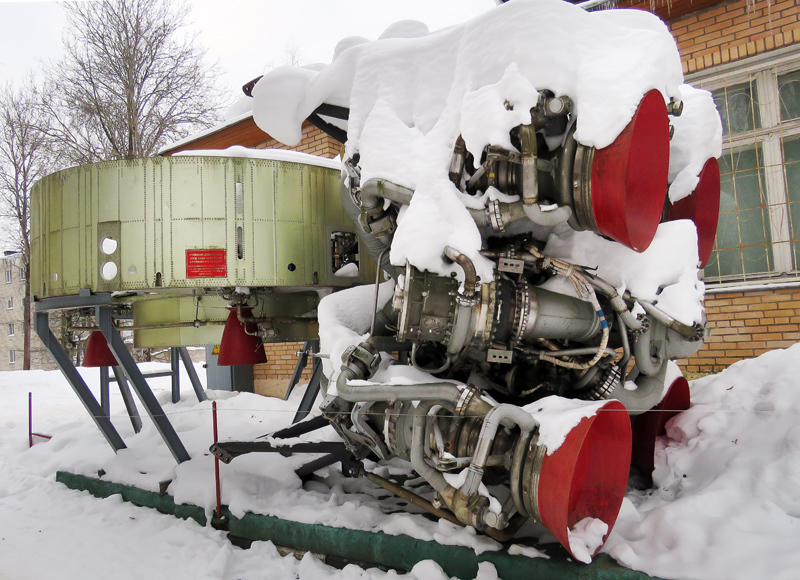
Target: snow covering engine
511,196
506,349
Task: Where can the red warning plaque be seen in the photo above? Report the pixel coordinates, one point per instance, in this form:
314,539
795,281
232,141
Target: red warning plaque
206,264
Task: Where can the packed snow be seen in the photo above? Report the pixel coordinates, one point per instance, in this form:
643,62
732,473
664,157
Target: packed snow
412,93
724,504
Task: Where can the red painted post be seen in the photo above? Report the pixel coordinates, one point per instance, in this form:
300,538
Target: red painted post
30,420
216,460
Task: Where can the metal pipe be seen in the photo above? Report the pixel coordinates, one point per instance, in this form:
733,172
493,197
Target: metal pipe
665,319
377,291
568,351
616,301
442,392
411,497
155,326
427,472
507,415
374,191
470,275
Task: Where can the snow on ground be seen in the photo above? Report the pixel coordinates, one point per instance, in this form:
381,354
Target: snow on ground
725,504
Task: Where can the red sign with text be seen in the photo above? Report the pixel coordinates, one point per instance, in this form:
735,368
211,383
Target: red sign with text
206,264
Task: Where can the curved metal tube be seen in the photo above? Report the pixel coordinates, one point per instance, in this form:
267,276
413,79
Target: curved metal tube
374,191
547,218
616,301
428,472
646,396
436,392
507,415
470,275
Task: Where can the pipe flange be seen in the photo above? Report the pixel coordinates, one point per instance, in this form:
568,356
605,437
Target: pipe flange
582,187
521,312
530,477
606,386
465,400
494,216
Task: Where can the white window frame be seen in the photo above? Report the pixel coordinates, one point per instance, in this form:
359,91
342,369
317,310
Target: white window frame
9,275
12,357
10,303
10,329
763,72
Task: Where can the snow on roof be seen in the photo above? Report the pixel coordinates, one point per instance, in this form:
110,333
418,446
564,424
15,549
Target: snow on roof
271,154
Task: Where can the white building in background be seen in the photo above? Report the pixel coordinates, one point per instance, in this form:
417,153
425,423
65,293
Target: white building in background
12,294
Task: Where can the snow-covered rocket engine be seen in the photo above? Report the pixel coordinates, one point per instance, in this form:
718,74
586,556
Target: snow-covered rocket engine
499,346
509,175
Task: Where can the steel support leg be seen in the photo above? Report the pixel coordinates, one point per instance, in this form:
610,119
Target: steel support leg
105,402
302,362
76,381
311,392
127,398
190,370
176,375
146,396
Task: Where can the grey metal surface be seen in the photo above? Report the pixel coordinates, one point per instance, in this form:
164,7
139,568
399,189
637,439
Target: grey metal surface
127,398
146,396
190,370
77,383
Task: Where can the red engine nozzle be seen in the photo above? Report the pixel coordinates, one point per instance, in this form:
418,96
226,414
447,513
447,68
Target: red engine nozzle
97,353
650,425
586,477
237,347
702,207
620,189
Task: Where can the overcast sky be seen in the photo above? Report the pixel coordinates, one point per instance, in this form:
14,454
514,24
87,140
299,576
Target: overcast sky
247,37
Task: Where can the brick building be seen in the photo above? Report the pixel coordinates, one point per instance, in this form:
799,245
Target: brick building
747,52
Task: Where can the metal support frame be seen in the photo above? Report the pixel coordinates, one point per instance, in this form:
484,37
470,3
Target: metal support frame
105,402
190,370
312,390
101,419
146,396
127,398
176,375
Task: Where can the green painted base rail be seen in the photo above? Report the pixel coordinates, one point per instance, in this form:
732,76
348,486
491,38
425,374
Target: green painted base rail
366,548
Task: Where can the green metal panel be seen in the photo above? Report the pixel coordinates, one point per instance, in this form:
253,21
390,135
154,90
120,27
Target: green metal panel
273,220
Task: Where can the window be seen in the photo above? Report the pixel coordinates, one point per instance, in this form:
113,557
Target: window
10,329
8,276
758,235
10,304
12,357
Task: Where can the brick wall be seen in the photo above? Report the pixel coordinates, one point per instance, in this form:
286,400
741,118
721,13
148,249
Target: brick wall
745,325
314,141
749,323
735,30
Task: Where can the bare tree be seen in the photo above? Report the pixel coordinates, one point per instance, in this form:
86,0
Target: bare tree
131,81
24,159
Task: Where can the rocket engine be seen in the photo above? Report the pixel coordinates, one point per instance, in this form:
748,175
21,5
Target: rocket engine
504,349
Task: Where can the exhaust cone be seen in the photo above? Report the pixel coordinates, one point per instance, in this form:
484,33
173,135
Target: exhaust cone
624,197
587,475
97,352
237,347
702,207
650,425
